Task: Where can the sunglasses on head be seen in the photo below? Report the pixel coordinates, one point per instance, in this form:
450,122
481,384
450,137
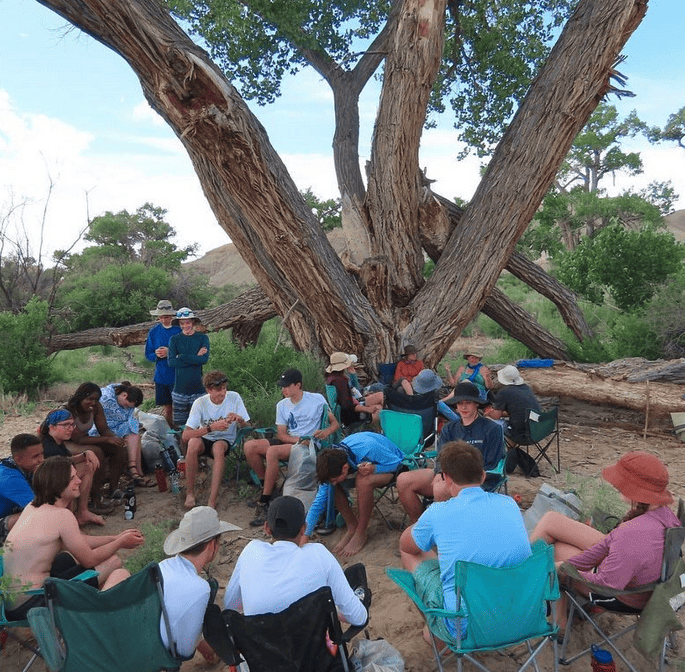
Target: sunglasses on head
184,313
218,383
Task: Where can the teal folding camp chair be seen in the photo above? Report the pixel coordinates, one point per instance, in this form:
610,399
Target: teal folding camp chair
332,398
405,430
654,625
6,625
115,630
507,606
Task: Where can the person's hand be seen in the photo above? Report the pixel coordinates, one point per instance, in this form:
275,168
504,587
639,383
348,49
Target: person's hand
447,368
320,434
116,441
162,352
220,425
202,351
366,468
131,538
91,458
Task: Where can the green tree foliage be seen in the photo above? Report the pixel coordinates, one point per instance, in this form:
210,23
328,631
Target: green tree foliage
24,363
597,152
326,212
492,50
133,264
628,265
673,131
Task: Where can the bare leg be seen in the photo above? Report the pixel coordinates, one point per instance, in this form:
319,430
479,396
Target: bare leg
343,506
117,576
195,447
365,487
219,453
255,454
274,455
85,472
411,561
169,415
410,486
106,568
570,537
134,452
406,386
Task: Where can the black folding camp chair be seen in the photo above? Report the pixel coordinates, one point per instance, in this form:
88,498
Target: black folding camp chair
542,431
305,637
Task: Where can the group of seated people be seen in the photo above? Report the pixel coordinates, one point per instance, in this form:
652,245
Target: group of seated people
465,522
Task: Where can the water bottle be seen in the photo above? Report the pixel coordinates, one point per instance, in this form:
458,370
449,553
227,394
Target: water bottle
161,478
181,467
601,660
129,503
173,479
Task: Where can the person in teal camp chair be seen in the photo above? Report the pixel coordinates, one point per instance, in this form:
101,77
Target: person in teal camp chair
473,525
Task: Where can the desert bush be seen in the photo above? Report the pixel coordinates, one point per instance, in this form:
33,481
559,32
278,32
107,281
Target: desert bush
595,493
101,364
24,363
153,548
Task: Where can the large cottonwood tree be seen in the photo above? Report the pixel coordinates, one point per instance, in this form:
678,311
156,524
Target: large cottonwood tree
379,300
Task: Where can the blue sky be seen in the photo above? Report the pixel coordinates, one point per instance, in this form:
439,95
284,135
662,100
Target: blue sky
72,109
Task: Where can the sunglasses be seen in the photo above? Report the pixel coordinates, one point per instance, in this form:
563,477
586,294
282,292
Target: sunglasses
184,313
218,383
66,423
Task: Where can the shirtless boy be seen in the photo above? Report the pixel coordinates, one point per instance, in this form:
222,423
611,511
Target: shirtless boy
46,540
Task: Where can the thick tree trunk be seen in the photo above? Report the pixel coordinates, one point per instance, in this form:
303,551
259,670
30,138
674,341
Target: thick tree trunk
439,216
559,102
259,206
590,386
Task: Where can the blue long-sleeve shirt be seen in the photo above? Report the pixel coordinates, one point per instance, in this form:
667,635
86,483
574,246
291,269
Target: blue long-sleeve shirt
188,364
159,336
361,447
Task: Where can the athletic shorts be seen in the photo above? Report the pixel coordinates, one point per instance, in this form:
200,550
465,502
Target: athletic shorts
163,394
63,567
208,443
429,588
181,406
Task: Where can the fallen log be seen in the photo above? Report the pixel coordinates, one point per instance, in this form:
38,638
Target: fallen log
608,385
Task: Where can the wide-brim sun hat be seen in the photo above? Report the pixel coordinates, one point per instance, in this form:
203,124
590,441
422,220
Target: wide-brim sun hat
509,375
473,353
164,307
339,362
410,350
200,524
185,313
465,391
426,381
641,477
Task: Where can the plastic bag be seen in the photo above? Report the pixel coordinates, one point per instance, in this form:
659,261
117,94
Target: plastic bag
551,499
376,655
301,481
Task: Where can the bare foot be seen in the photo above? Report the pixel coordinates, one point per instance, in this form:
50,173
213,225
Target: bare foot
89,517
344,540
190,501
355,545
427,636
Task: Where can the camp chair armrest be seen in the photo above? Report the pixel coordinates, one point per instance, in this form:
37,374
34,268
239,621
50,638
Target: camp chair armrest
568,570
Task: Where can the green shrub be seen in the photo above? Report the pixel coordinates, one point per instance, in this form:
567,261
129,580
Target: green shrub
101,364
24,362
153,548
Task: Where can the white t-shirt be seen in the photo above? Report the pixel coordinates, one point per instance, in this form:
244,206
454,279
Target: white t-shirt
268,578
185,597
304,417
204,411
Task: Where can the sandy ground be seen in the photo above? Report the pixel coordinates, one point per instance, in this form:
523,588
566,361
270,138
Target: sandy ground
591,438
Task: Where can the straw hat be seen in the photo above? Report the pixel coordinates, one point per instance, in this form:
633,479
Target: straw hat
199,524
641,477
509,375
473,353
339,362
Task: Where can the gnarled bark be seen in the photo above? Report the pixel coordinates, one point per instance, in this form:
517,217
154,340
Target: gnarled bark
257,203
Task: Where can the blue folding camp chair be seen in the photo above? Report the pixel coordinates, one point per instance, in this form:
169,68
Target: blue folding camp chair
506,607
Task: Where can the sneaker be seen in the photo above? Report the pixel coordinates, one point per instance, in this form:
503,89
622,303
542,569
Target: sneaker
260,515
